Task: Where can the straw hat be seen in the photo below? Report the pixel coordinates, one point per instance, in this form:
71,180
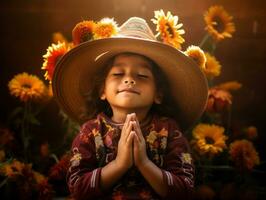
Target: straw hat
76,69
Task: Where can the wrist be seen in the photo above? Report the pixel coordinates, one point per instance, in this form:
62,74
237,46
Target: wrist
143,163
120,166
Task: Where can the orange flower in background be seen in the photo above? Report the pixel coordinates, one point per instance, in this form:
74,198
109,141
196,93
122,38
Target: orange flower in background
251,132
218,100
44,149
6,136
244,154
208,139
212,66
26,87
230,86
105,28
197,54
219,23
83,31
59,37
52,56
2,155
168,28
59,170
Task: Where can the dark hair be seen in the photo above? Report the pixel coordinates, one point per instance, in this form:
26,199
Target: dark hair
95,105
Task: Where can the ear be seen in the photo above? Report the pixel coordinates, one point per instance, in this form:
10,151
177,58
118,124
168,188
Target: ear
103,96
158,98
102,93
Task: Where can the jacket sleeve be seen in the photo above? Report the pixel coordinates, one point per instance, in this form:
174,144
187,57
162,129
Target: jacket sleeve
178,170
83,176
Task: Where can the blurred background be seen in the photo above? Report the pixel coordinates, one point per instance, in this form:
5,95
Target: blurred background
27,27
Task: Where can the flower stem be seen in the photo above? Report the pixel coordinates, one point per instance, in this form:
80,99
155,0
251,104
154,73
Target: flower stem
204,40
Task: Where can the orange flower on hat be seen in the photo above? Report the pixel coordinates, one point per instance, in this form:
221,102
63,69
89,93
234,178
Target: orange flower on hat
212,66
218,100
219,23
26,87
168,28
197,55
83,32
53,54
243,154
105,28
208,139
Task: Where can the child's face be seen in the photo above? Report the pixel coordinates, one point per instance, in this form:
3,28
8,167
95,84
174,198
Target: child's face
130,84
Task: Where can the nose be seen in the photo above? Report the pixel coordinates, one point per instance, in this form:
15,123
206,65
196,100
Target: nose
129,81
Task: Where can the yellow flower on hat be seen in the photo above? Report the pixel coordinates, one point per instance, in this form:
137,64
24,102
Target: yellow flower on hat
209,139
219,23
26,87
53,54
168,28
83,31
243,154
105,28
197,54
212,66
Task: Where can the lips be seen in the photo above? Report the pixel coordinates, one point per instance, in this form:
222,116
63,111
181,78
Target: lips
129,90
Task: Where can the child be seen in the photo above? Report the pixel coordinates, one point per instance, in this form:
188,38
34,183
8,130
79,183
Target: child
131,146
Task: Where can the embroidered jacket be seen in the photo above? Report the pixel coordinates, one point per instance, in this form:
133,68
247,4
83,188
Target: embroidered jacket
96,145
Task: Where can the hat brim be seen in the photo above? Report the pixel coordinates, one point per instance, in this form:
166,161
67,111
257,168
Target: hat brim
76,69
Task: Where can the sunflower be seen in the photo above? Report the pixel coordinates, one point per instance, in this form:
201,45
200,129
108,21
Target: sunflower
83,31
212,66
218,100
105,28
231,85
208,139
168,28
53,54
219,23
26,87
197,55
243,154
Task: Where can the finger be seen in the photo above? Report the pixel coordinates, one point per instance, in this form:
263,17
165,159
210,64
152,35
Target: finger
125,126
130,137
137,128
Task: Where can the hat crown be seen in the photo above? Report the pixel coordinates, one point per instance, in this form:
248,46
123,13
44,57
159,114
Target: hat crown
136,27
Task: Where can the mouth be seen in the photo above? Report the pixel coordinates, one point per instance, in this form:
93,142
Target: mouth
129,90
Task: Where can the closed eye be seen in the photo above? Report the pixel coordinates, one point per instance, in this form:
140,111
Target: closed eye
118,74
143,76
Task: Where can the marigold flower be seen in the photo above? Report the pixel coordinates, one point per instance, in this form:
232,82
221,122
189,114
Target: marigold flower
212,66
243,154
219,23
82,32
197,55
204,192
52,56
59,37
218,100
59,170
105,28
26,87
168,28
2,155
208,139
6,136
251,132
230,85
